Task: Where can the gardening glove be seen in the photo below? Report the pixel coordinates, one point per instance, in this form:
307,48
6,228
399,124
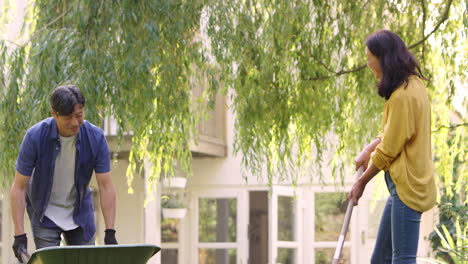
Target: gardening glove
20,245
109,239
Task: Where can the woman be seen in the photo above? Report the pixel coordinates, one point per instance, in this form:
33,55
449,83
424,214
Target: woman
402,150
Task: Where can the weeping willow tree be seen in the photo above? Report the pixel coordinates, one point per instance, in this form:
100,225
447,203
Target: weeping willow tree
132,60
295,71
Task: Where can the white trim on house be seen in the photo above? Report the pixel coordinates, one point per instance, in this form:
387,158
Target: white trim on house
241,227
275,244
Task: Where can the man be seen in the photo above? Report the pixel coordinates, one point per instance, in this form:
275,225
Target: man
55,163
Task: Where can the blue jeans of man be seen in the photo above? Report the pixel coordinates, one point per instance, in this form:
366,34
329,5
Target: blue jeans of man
49,237
398,235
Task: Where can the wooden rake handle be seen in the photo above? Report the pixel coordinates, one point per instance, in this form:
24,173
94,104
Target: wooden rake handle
344,228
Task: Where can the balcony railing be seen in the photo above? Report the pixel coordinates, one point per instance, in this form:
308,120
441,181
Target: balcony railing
212,132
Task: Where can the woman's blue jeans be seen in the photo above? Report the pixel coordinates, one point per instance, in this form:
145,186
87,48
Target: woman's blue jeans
397,239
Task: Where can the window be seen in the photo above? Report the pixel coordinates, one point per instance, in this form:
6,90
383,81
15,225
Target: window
217,230
287,233
275,226
170,233
330,209
258,227
285,227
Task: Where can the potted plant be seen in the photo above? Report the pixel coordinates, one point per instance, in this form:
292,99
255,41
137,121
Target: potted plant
173,207
176,181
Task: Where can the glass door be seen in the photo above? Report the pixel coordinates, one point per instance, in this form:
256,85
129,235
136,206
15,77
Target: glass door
369,213
329,212
285,225
219,227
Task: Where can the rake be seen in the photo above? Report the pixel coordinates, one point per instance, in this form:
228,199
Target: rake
344,228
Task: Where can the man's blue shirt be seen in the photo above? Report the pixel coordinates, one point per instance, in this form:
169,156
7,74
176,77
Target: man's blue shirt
36,158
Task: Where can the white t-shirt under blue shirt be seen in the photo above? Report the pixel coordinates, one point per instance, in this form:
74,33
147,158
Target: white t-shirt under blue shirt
63,195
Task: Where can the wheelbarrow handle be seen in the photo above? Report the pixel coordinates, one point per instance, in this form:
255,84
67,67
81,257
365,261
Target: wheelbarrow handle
24,255
344,228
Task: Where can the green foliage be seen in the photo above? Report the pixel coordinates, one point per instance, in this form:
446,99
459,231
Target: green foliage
457,249
132,60
286,256
169,230
453,218
286,218
217,220
173,200
453,206
295,69
211,256
330,209
276,55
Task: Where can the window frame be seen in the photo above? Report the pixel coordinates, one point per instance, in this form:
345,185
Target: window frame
311,243
275,244
241,222
175,245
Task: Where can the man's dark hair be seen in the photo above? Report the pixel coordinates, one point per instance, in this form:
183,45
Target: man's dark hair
64,98
396,61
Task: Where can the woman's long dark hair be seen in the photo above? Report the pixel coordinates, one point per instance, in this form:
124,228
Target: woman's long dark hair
396,61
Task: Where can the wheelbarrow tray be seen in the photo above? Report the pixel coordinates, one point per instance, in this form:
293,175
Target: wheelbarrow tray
115,254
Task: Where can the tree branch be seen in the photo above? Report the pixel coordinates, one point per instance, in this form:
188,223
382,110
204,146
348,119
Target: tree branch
424,20
323,64
444,18
450,127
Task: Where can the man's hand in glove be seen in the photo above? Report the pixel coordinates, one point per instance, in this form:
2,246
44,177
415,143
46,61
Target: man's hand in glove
109,239
20,245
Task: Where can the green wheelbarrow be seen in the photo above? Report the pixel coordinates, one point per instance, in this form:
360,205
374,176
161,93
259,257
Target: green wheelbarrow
115,254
